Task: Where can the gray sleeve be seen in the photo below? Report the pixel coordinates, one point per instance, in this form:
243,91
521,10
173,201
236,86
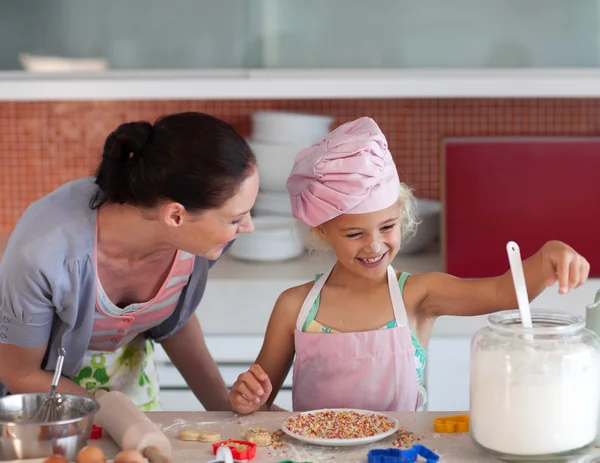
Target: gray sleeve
188,302
26,305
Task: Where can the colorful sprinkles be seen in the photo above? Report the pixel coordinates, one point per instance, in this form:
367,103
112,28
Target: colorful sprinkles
332,424
405,439
276,437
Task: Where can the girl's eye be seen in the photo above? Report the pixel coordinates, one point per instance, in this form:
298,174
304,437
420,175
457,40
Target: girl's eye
353,235
388,227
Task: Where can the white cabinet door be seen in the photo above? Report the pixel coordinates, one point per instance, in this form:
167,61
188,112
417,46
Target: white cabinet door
173,400
284,399
447,376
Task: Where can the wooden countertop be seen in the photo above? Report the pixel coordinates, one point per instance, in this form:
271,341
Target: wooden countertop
452,448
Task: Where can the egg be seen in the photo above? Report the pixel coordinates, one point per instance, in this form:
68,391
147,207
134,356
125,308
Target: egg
129,456
91,454
56,459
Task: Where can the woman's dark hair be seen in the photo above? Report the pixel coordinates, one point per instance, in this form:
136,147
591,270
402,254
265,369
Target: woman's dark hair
192,158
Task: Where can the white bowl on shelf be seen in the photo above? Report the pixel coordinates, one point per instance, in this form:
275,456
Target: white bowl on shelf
272,203
275,163
274,239
283,127
36,63
428,230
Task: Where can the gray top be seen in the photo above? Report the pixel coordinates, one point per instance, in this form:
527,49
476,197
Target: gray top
48,279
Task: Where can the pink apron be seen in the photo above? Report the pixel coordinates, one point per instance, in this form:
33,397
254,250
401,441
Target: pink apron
370,370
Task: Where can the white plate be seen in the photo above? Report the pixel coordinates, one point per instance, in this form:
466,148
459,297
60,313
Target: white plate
343,442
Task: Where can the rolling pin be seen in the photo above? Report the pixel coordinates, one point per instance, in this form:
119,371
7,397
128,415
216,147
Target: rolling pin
130,428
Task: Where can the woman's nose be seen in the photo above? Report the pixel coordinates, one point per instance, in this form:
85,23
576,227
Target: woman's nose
247,225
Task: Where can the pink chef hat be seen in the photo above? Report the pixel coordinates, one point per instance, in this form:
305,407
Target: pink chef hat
350,171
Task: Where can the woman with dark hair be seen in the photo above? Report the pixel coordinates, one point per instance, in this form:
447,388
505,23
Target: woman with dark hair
103,266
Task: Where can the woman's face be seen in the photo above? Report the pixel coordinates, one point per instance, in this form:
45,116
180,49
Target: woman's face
207,233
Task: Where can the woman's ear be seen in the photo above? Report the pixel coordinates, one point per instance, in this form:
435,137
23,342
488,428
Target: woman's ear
174,214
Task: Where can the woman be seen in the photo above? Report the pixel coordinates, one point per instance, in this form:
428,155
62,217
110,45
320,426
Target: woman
104,266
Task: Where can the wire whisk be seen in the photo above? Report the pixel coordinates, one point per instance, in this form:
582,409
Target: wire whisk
49,410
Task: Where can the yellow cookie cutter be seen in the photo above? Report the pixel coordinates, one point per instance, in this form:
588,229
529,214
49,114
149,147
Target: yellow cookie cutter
458,423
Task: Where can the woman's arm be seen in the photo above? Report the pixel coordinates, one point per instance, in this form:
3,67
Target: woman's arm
441,294
189,353
20,372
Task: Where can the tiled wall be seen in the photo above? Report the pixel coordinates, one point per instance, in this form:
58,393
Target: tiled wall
43,145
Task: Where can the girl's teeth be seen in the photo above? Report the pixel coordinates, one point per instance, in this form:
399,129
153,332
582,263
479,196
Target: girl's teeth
373,260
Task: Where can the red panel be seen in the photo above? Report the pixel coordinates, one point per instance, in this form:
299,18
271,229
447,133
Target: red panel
529,190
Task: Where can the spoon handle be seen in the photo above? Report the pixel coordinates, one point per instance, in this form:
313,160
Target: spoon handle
516,268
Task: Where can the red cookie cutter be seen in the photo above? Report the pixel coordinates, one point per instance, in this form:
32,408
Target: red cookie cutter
96,432
238,454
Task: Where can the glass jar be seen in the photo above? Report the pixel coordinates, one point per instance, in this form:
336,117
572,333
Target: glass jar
535,393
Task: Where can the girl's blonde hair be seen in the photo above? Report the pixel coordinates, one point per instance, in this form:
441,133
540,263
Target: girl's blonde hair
408,223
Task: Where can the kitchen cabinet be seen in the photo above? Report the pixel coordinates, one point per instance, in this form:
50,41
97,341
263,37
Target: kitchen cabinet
233,354
347,34
240,296
447,374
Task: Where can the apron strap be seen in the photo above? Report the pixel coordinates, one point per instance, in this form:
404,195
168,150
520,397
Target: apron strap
311,298
396,297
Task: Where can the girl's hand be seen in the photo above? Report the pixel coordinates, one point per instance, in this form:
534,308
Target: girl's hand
567,266
250,391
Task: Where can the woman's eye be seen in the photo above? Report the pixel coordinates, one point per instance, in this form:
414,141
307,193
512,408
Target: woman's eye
236,221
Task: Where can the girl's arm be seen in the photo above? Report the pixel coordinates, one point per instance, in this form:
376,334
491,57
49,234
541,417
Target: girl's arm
441,294
257,388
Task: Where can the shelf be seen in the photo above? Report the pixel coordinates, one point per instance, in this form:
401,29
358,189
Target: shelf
301,84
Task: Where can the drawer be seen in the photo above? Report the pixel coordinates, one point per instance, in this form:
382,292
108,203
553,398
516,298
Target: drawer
170,377
176,400
224,349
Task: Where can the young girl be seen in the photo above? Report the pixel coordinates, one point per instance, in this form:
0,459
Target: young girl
360,331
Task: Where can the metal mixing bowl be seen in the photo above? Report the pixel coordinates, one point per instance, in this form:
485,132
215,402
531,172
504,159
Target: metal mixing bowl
22,438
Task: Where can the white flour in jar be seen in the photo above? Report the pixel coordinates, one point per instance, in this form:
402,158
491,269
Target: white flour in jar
535,402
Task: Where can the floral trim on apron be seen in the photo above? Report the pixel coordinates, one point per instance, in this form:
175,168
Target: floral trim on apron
130,369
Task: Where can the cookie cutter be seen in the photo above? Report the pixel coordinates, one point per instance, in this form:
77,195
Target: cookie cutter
403,456
96,432
238,454
449,424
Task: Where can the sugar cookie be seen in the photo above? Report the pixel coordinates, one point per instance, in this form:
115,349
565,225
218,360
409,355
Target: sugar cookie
199,435
189,434
260,437
209,436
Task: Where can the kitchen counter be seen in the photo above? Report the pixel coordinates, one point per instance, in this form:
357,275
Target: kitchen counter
245,292
300,84
452,448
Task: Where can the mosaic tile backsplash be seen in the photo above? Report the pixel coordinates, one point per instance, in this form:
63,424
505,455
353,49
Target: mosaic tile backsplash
45,144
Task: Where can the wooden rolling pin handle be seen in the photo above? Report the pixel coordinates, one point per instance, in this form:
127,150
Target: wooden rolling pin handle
154,455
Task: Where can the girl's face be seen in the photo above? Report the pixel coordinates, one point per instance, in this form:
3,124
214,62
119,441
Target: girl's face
365,244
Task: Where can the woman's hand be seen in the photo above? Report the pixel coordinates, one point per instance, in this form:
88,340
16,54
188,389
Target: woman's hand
564,264
251,390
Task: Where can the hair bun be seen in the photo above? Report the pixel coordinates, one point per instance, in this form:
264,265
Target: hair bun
129,138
